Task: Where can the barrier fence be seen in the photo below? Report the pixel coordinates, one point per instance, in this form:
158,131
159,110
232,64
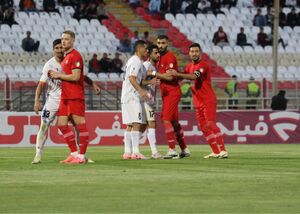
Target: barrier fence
19,129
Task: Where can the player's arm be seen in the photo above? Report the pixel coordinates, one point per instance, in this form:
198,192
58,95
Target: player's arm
74,77
193,76
90,82
149,82
166,76
138,88
37,104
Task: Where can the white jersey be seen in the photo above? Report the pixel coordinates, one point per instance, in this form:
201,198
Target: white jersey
54,86
151,89
133,67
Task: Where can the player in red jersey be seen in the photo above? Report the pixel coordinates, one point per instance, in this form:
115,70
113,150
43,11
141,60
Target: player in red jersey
72,105
205,101
171,94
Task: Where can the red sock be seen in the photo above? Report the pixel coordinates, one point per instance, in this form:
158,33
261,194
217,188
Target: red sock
220,141
170,134
180,138
210,137
69,137
83,137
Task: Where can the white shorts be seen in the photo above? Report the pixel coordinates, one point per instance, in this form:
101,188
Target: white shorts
133,113
150,113
49,111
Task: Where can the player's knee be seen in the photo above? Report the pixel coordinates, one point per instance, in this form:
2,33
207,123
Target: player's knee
81,127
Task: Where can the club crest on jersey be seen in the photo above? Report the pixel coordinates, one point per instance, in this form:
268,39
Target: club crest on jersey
77,64
171,65
67,61
201,70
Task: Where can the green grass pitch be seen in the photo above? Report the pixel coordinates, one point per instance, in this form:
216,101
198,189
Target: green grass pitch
255,179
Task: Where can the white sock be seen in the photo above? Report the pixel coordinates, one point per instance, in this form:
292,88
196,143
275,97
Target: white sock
127,142
74,154
152,140
81,156
135,140
40,139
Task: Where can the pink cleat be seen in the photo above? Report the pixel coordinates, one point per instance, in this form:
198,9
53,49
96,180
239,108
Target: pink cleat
68,159
77,160
126,156
138,156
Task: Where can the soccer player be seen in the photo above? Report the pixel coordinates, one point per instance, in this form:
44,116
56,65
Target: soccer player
171,94
72,104
205,101
150,86
53,97
132,98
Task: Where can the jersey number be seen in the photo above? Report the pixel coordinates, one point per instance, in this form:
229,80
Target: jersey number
46,113
151,113
140,116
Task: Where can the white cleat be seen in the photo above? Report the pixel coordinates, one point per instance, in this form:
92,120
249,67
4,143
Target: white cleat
171,154
157,155
185,153
223,154
211,155
36,160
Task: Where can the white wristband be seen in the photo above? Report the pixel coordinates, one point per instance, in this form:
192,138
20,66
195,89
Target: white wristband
154,73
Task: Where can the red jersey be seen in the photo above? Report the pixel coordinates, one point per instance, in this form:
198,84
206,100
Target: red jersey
201,88
73,90
166,62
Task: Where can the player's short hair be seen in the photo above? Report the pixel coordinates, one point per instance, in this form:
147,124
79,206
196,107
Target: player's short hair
69,32
151,47
195,45
163,37
138,44
56,42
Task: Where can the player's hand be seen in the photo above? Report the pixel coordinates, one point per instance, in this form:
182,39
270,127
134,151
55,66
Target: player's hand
153,81
172,72
96,89
53,74
157,82
144,95
37,106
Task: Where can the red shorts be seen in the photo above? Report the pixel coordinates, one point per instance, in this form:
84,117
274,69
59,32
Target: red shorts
206,112
68,107
169,110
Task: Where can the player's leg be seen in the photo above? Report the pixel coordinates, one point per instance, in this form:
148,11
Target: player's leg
48,116
138,120
151,134
208,134
210,112
127,143
167,116
185,152
68,132
83,133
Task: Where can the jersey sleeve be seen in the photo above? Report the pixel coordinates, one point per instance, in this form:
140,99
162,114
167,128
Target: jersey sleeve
171,62
45,70
77,62
134,68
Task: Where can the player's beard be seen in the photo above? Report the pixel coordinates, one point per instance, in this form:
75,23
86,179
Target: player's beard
162,51
196,60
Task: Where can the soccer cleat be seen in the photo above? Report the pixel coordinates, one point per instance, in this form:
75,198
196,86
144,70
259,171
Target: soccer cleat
77,160
68,159
88,160
36,160
223,154
126,156
185,153
211,155
171,154
157,155
138,156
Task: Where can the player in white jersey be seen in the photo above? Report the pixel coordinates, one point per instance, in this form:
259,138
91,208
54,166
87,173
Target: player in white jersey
52,98
149,84
132,98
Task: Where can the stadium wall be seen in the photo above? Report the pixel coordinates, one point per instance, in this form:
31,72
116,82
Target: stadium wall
19,129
